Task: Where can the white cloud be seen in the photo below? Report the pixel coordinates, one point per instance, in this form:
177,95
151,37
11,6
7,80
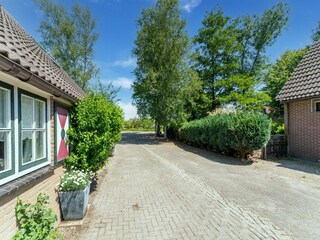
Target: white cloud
122,82
129,110
189,5
130,62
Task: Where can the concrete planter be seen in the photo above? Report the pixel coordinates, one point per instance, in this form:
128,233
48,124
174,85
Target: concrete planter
74,204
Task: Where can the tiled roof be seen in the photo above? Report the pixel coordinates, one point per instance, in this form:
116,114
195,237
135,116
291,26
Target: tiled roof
305,80
31,61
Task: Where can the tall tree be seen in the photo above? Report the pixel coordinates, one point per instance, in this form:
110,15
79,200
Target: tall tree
160,48
237,49
215,52
255,34
278,75
108,91
70,38
316,33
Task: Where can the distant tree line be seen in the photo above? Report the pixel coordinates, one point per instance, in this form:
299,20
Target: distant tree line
224,65
139,124
178,79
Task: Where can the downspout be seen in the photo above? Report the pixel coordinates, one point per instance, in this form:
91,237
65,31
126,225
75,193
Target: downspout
286,125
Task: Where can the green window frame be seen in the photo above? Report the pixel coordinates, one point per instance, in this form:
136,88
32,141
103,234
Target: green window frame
7,158
32,130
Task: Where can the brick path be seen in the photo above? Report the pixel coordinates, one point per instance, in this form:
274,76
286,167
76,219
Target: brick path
147,196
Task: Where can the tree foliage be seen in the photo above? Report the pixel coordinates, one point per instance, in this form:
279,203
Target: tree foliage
161,50
258,33
109,92
316,33
70,38
139,123
95,127
278,75
231,55
215,53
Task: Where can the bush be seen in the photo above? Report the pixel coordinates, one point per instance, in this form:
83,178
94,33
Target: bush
240,132
277,128
96,125
36,221
173,130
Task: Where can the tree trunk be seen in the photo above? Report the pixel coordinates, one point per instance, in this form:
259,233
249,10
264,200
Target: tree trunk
243,156
165,132
157,129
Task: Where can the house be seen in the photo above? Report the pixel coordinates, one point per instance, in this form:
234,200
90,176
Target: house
301,98
35,97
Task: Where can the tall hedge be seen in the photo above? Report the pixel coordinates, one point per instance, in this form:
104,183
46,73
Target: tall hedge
241,132
95,127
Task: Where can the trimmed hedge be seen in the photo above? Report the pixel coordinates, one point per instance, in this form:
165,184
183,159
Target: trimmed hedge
228,133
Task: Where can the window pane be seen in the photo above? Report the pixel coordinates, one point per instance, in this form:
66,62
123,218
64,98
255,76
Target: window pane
4,151
40,144
39,114
26,112
4,108
318,107
26,138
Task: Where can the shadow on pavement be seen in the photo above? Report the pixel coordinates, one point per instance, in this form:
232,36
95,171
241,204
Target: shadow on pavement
212,156
147,138
300,165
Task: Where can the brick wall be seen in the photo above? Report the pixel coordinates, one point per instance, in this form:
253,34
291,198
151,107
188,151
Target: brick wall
303,130
47,184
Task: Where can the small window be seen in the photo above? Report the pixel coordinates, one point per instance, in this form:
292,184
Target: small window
317,106
5,130
7,167
33,141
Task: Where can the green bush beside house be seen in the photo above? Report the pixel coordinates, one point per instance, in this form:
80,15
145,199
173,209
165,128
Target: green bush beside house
96,125
229,133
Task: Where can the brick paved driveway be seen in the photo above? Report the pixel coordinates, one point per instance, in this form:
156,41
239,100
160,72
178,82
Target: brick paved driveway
162,190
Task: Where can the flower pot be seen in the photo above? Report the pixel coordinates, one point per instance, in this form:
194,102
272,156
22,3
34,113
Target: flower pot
74,204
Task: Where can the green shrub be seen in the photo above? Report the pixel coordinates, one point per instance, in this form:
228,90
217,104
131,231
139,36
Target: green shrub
36,221
248,132
96,125
173,130
277,128
280,129
241,132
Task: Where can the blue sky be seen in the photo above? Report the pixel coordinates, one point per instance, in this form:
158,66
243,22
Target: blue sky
116,24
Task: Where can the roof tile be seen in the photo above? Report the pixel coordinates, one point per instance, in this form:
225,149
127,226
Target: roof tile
17,45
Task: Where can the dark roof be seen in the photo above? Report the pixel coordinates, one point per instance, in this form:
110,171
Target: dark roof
22,57
305,80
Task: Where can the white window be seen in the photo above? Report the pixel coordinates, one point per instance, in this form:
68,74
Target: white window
33,130
5,129
24,133
315,103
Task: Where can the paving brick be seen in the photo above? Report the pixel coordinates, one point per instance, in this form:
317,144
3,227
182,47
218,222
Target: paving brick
147,196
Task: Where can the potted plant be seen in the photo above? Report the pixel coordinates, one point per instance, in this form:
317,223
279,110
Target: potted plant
74,194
